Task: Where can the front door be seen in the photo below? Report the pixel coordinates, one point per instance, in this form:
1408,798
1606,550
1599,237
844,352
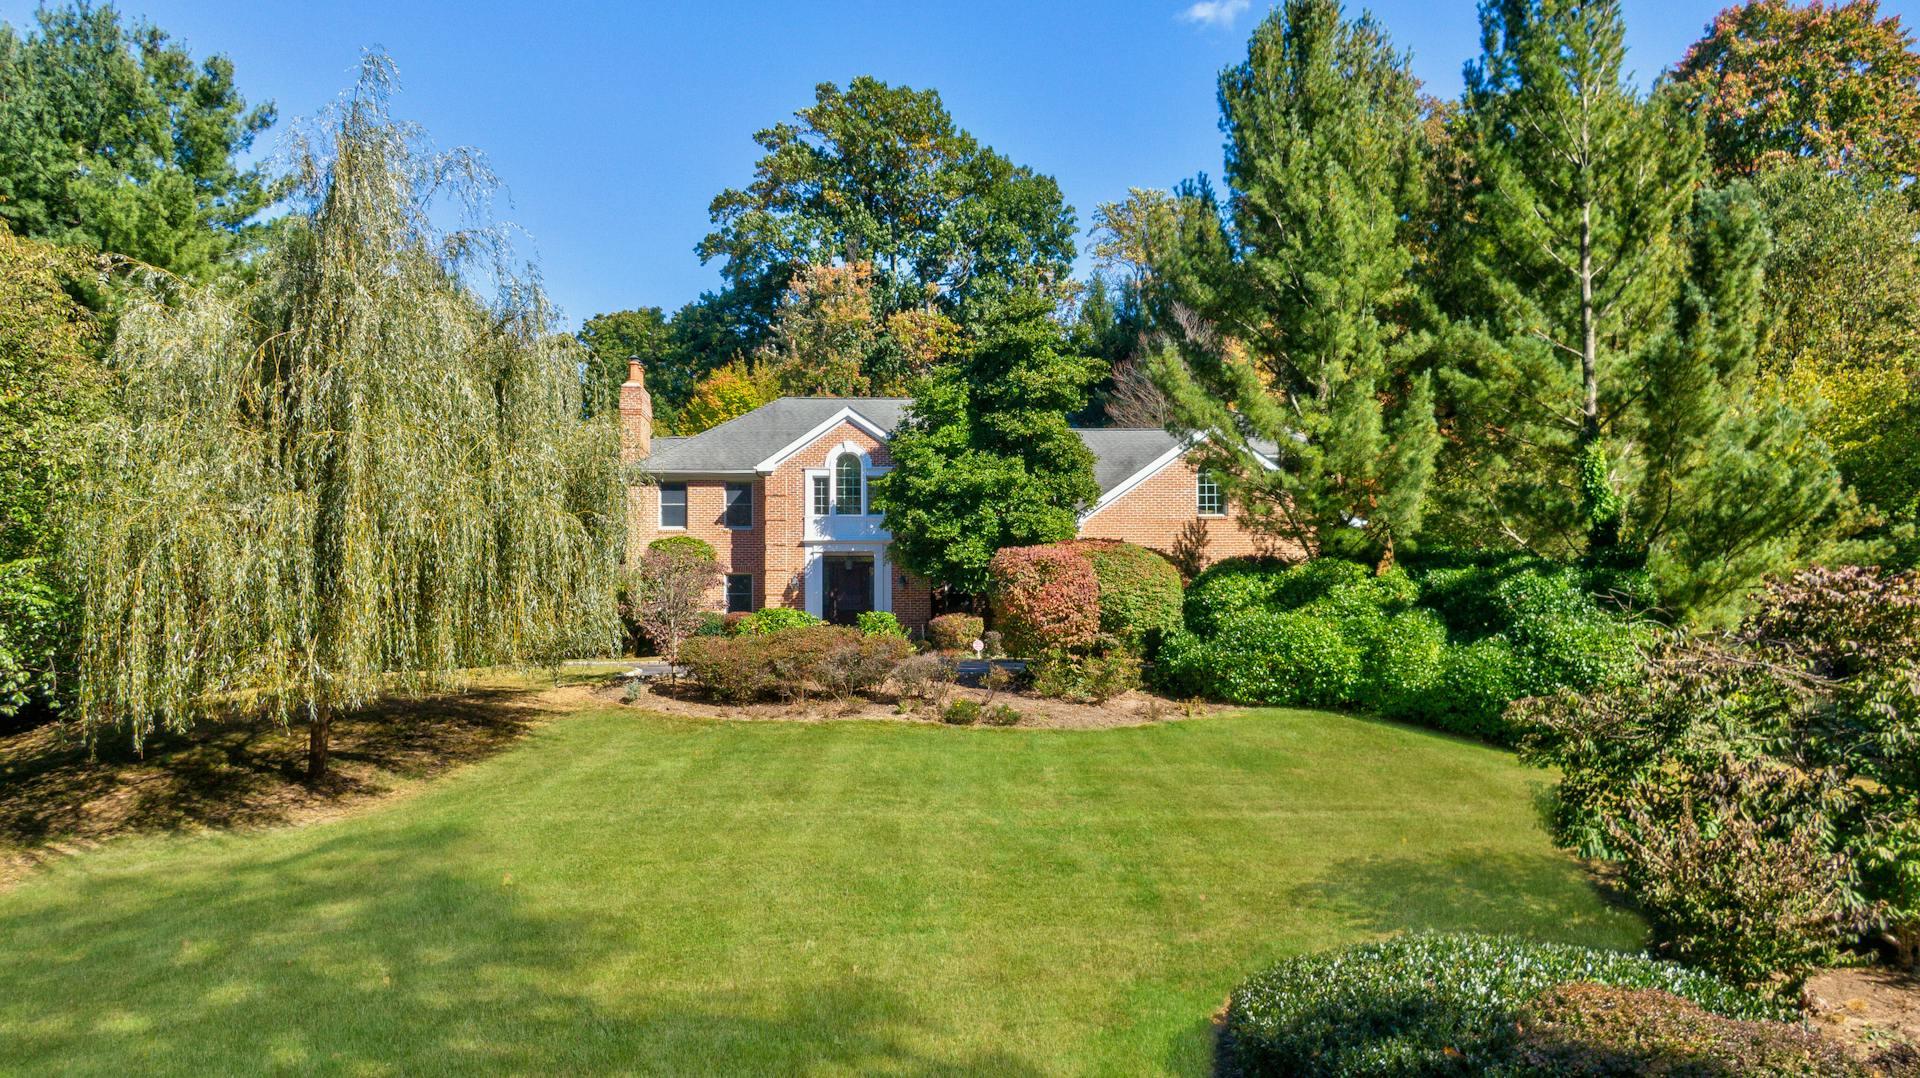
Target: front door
849,587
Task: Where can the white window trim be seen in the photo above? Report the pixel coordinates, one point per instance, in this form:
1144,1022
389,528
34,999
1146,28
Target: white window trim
844,415
868,472
1199,477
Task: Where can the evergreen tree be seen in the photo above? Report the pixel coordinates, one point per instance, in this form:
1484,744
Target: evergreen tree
1291,308
348,479
113,138
986,459
1604,394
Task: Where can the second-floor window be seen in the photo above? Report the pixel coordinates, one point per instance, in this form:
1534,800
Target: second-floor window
1210,501
822,496
673,505
849,494
739,511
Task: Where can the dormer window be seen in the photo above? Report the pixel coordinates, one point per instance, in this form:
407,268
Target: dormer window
849,486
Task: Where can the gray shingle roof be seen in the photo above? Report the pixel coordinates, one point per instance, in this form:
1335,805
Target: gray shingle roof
738,444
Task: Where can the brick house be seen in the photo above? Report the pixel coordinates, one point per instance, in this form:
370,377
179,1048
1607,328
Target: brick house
782,495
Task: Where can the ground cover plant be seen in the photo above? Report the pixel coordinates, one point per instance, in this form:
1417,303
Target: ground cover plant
1431,1004
622,892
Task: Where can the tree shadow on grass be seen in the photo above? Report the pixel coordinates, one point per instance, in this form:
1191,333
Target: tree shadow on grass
54,789
1542,896
368,953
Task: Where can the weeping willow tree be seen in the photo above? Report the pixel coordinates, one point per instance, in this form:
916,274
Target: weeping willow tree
348,477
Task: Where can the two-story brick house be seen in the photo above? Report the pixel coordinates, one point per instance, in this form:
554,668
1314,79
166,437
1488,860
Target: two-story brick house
783,495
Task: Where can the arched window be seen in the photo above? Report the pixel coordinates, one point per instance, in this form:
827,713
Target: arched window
849,494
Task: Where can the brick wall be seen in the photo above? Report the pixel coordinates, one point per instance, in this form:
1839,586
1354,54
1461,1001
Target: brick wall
772,549
739,550
1162,514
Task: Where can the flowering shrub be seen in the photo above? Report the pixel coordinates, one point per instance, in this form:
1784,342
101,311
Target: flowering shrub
955,632
1045,597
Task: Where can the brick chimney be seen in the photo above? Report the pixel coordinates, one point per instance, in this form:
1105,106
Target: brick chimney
636,415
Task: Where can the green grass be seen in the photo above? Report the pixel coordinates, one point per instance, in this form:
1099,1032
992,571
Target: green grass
623,892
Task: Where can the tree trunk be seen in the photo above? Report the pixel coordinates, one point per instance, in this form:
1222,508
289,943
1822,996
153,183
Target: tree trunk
318,728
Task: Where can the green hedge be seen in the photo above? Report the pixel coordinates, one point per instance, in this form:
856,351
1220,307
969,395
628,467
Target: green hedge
1140,598
1450,648
1419,1005
773,619
691,544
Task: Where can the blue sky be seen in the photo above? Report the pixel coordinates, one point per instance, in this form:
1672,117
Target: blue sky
613,125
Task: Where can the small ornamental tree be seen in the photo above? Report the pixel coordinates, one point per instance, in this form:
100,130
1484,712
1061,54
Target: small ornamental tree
1045,598
348,478
667,594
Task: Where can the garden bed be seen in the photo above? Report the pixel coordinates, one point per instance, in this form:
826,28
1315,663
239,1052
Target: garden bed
686,699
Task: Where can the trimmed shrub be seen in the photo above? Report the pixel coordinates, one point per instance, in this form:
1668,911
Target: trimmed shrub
1423,1004
879,623
690,544
1561,636
1140,599
1000,715
1183,666
1228,587
1096,677
1477,681
774,619
854,662
962,712
1044,597
925,678
1404,658
786,663
1592,1029
955,632
711,625
1283,657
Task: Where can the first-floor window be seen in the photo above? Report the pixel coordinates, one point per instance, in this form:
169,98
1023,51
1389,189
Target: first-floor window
673,505
1211,502
739,593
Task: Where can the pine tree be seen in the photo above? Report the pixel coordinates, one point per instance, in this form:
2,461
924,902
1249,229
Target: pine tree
348,479
1603,391
1291,309
1577,252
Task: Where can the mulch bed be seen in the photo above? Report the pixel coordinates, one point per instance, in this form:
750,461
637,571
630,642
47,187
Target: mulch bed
1132,709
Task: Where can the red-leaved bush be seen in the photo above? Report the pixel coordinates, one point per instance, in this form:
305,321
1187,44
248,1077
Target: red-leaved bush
1044,598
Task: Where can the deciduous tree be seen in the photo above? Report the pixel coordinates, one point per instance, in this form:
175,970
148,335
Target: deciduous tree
1832,83
349,479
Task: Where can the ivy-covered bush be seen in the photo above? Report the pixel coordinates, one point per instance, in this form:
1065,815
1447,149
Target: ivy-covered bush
1044,598
1140,597
955,632
691,544
1419,1005
773,619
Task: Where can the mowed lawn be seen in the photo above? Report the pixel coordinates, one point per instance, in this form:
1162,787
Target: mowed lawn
623,892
